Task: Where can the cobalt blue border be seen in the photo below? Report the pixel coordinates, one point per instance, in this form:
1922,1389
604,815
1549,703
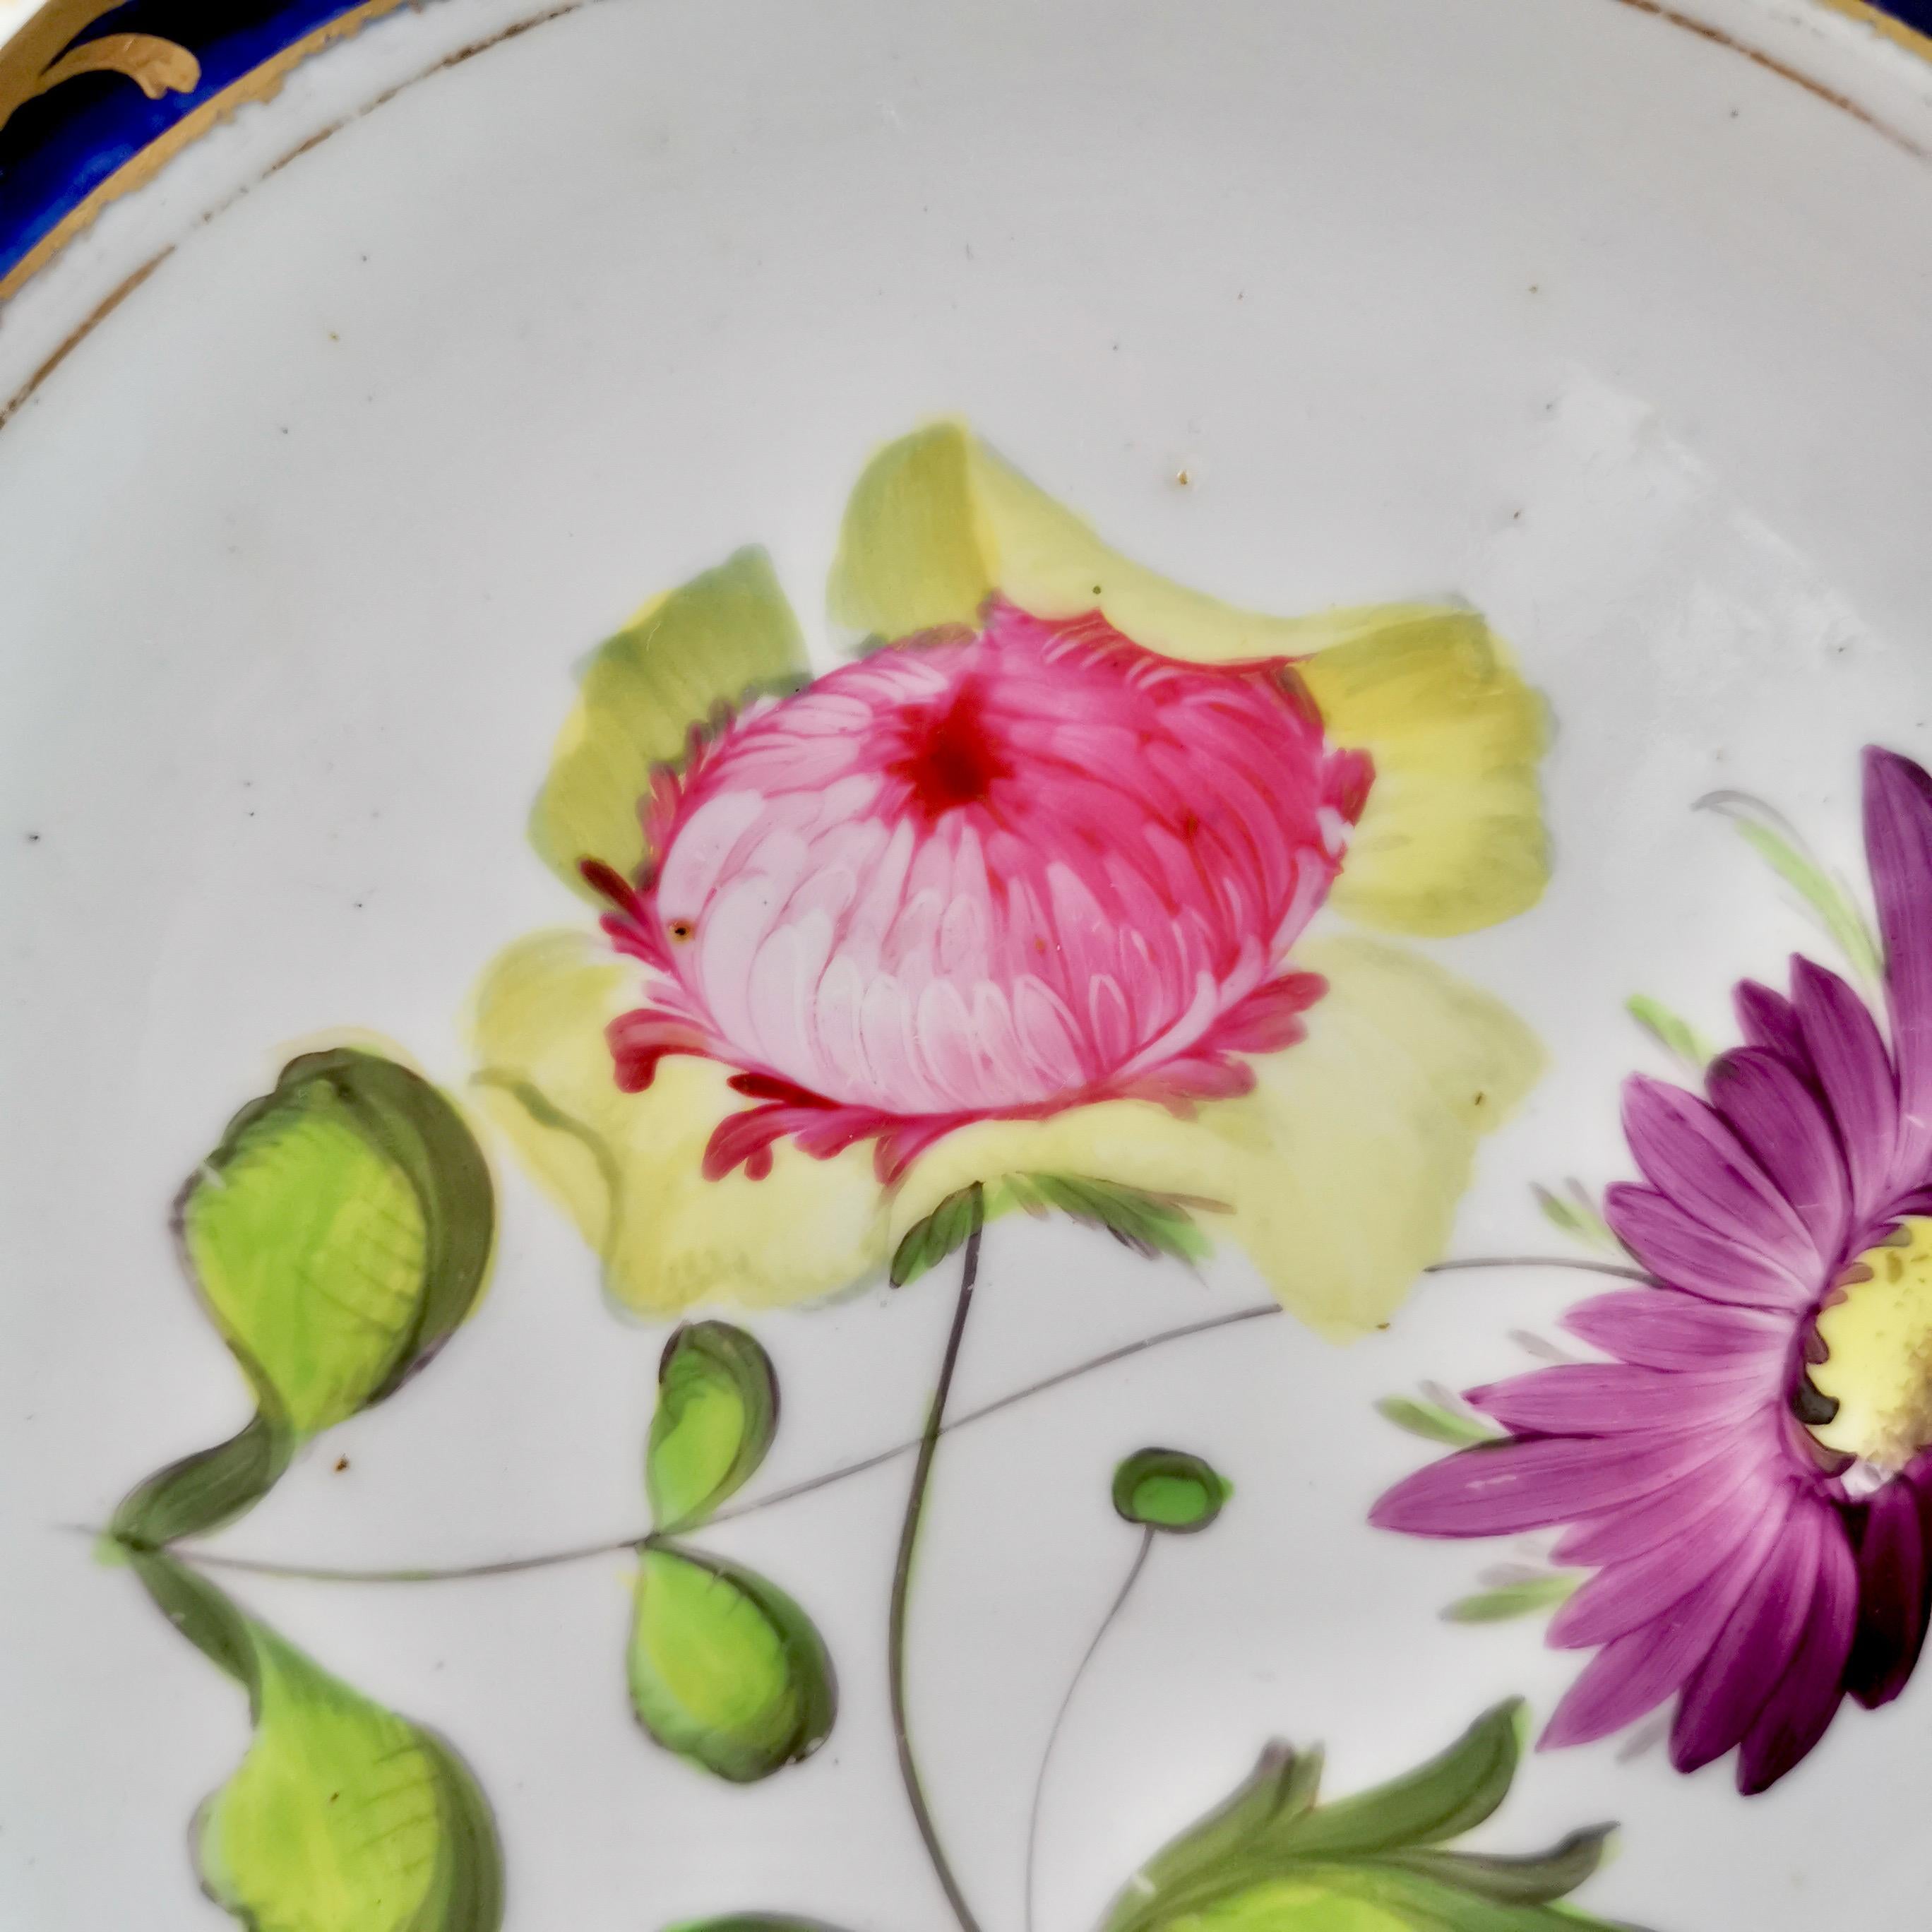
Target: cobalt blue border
58,148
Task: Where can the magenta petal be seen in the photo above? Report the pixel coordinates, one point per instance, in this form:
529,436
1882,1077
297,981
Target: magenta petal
1898,847
1688,1154
1632,1527
1611,1398
1778,1118
1754,1649
1765,1019
1619,1599
1659,1330
1855,1074
1637,1672
1690,1255
1894,1592
1496,1491
1801,1705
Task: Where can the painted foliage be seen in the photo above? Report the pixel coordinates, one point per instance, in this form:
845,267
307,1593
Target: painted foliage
1070,892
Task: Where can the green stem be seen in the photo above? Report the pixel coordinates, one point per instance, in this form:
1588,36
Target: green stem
617,1546
1107,1623
901,1591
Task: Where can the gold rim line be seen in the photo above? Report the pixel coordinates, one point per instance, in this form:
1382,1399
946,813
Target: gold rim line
24,58
1885,25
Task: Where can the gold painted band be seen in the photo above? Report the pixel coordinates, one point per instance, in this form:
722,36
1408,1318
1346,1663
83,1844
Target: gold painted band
1884,25
27,54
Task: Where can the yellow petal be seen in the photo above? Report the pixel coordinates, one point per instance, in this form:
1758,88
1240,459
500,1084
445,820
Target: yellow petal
1341,1172
1372,1124
937,522
684,658
1453,836
628,1167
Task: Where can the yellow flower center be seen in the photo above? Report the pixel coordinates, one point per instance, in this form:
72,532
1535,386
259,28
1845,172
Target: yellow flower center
1880,1372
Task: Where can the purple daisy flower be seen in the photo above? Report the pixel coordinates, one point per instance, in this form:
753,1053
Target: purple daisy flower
1750,1475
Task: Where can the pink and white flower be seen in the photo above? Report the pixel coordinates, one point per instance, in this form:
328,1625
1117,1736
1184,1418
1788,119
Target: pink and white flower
1027,889
982,878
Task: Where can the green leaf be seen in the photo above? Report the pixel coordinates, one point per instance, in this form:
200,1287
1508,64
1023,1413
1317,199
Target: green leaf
725,1669
1435,1424
681,665
1452,1793
1675,1035
343,1816
1540,1879
1382,1898
1272,1858
1524,1599
717,1412
1150,1224
337,1237
1231,1841
1774,839
1576,1215
1170,1490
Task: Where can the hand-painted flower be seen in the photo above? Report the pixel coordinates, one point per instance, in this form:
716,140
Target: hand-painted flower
1016,895
983,878
1751,1475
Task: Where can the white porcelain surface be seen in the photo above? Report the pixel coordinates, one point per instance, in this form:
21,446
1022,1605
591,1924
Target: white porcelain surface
1559,308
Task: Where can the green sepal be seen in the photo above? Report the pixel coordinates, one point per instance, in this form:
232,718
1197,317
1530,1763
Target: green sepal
1170,1490
1148,1223
717,1412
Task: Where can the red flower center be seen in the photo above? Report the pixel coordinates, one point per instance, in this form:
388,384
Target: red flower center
949,756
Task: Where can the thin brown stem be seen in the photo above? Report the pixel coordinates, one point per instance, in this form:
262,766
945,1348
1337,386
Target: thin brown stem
901,1590
1080,1670
826,1479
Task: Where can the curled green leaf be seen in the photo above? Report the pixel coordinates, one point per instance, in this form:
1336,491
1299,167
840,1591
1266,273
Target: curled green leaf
1169,1490
1272,1858
337,1237
342,1816
725,1669
717,1412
